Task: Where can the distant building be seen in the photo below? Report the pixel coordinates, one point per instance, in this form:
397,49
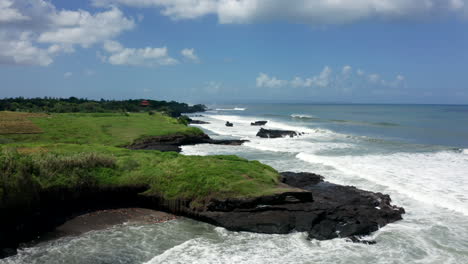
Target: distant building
145,103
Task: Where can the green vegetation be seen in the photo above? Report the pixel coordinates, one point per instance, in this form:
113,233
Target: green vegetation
27,169
112,129
75,105
76,150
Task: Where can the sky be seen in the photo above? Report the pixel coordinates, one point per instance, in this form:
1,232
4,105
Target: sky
235,51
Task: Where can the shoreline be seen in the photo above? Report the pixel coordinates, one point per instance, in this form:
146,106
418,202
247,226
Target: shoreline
101,220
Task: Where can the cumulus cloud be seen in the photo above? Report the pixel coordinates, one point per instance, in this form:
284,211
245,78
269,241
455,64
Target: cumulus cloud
19,49
10,14
323,79
347,70
82,28
190,54
149,56
374,78
263,80
344,81
304,11
32,32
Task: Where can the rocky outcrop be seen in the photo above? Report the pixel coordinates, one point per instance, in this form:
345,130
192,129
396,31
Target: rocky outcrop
198,122
322,209
258,123
194,121
173,142
229,124
272,133
343,211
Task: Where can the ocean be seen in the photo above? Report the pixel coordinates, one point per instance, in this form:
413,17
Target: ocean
418,154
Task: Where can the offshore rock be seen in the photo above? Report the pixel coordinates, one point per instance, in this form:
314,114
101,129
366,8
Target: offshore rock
258,123
272,133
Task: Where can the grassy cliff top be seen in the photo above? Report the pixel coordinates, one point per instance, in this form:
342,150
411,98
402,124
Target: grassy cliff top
26,169
110,129
74,150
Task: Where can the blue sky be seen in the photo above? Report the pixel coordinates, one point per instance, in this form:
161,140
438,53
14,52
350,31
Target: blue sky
214,51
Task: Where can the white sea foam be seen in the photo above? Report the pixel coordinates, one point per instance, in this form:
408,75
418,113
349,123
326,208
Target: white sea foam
465,151
303,116
231,109
242,127
435,178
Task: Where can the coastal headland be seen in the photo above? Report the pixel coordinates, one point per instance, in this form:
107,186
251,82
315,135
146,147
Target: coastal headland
59,166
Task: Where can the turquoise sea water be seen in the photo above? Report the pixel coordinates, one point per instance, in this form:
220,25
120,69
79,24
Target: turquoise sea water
416,153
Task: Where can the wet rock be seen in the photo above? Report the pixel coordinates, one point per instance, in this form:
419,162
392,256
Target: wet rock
272,133
322,209
258,123
229,124
198,122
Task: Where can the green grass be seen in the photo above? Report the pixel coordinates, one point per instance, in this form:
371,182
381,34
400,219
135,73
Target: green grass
111,129
27,169
77,150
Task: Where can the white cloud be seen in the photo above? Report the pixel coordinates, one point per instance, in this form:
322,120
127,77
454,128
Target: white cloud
33,32
321,80
347,70
82,28
304,11
19,49
374,78
148,56
10,14
190,54
344,81
67,75
263,80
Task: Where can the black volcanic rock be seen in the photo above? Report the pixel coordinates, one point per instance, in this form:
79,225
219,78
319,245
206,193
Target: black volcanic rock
258,123
322,209
343,211
229,124
198,122
173,142
272,133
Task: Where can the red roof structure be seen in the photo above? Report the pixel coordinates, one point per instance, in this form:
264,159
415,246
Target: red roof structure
145,103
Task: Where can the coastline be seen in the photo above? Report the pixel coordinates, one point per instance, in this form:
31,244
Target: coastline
104,219
264,204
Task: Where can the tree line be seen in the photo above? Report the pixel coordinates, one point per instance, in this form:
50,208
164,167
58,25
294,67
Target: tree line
83,105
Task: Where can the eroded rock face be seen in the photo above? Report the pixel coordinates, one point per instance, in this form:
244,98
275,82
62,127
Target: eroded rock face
272,133
173,142
322,209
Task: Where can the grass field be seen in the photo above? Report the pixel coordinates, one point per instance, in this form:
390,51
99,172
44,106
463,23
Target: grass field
81,150
18,123
112,129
